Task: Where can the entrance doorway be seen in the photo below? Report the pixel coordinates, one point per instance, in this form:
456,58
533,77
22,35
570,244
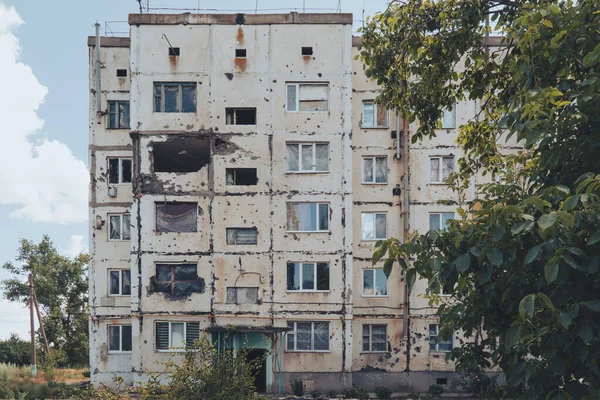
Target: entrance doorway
260,380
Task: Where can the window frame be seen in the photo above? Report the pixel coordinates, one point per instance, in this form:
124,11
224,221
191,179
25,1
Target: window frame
121,271
294,332
453,111
317,204
297,85
121,224
375,214
234,175
375,112
314,158
374,272
374,160
120,167
244,228
173,281
370,342
120,351
315,281
440,176
157,204
434,343
234,112
180,86
117,114
236,294
169,348
440,214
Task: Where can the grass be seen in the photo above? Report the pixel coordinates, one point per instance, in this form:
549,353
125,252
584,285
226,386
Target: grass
16,382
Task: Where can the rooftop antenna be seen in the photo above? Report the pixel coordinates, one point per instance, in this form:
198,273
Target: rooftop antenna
256,8
140,4
303,6
339,6
363,12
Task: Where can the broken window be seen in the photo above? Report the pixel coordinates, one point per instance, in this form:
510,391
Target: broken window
308,336
242,295
176,335
118,114
175,97
178,279
240,116
240,53
307,217
119,338
449,118
307,97
374,282
177,217
119,227
374,170
439,221
307,51
174,51
241,176
374,115
307,157
374,226
241,236
374,338
119,170
187,154
121,73
119,282
444,345
437,174
307,277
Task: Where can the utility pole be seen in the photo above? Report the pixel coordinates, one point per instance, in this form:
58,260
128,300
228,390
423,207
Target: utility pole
39,315
32,327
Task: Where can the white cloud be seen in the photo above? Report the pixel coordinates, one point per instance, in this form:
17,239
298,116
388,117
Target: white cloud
76,246
14,318
41,177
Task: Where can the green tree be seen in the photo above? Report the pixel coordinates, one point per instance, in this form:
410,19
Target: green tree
523,260
61,287
15,350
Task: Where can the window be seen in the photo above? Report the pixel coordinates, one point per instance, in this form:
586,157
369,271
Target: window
307,51
240,116
241,176
119,282
307,97
308,217
176,335
242,295
187,154
441,381
438,221
308,336
449,118
177,217
122,73
307,277
374,115
240,53
118,114
374,338
178,279
374,170
374,282
241,236
174,51
119,170
443,345
440,168
374,226
175,97
307,157
119,338
119,227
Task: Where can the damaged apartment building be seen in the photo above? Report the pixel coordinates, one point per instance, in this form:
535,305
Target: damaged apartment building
241,176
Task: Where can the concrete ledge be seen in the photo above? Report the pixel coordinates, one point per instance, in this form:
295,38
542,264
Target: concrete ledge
249,19
109,41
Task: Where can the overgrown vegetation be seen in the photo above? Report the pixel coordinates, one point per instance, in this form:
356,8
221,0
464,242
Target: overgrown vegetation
15,350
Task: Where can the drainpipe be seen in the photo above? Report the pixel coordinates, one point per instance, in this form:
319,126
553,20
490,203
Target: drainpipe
406,213
97,73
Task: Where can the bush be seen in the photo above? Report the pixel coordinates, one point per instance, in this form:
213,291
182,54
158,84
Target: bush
315,394
414,396
355,393
297,387
332,394
436,391
383,392
476,383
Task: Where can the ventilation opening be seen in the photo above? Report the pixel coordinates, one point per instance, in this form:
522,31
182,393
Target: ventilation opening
240,116
173,51
121,73
441,381
241,176
307,51
186,155
240,53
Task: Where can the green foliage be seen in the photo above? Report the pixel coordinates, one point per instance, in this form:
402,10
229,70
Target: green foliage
61,287
315,394
332,394
477,383
15,350
383,392
297,387
436,391
355,393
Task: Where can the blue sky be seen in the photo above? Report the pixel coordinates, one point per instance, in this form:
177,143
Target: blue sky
44,98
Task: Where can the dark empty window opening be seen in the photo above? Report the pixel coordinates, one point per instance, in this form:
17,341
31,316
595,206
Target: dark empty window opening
178,280
121,73
173,51
240,116
241,176
185,155
177,217
307,51
240,53
441,381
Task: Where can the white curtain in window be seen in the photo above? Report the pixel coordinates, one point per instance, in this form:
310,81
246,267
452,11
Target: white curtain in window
380,226
368,115
126,227
115,227
381,170
177,335
292,157
303,336
322,153
448,119
291,98
378,337
367,170
307,157
434,169
367,226
123,115
302,217
447,166
321,335
186,221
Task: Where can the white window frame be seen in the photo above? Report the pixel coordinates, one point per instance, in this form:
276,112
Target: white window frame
440,160
117,114
180,86
374,272
298,86
435,342
446,111
375,238
170,349
120,271
317,224
374,161
371,338
120,167
439,214
121,222
312,337
120,326
313,166
375,112
316,270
